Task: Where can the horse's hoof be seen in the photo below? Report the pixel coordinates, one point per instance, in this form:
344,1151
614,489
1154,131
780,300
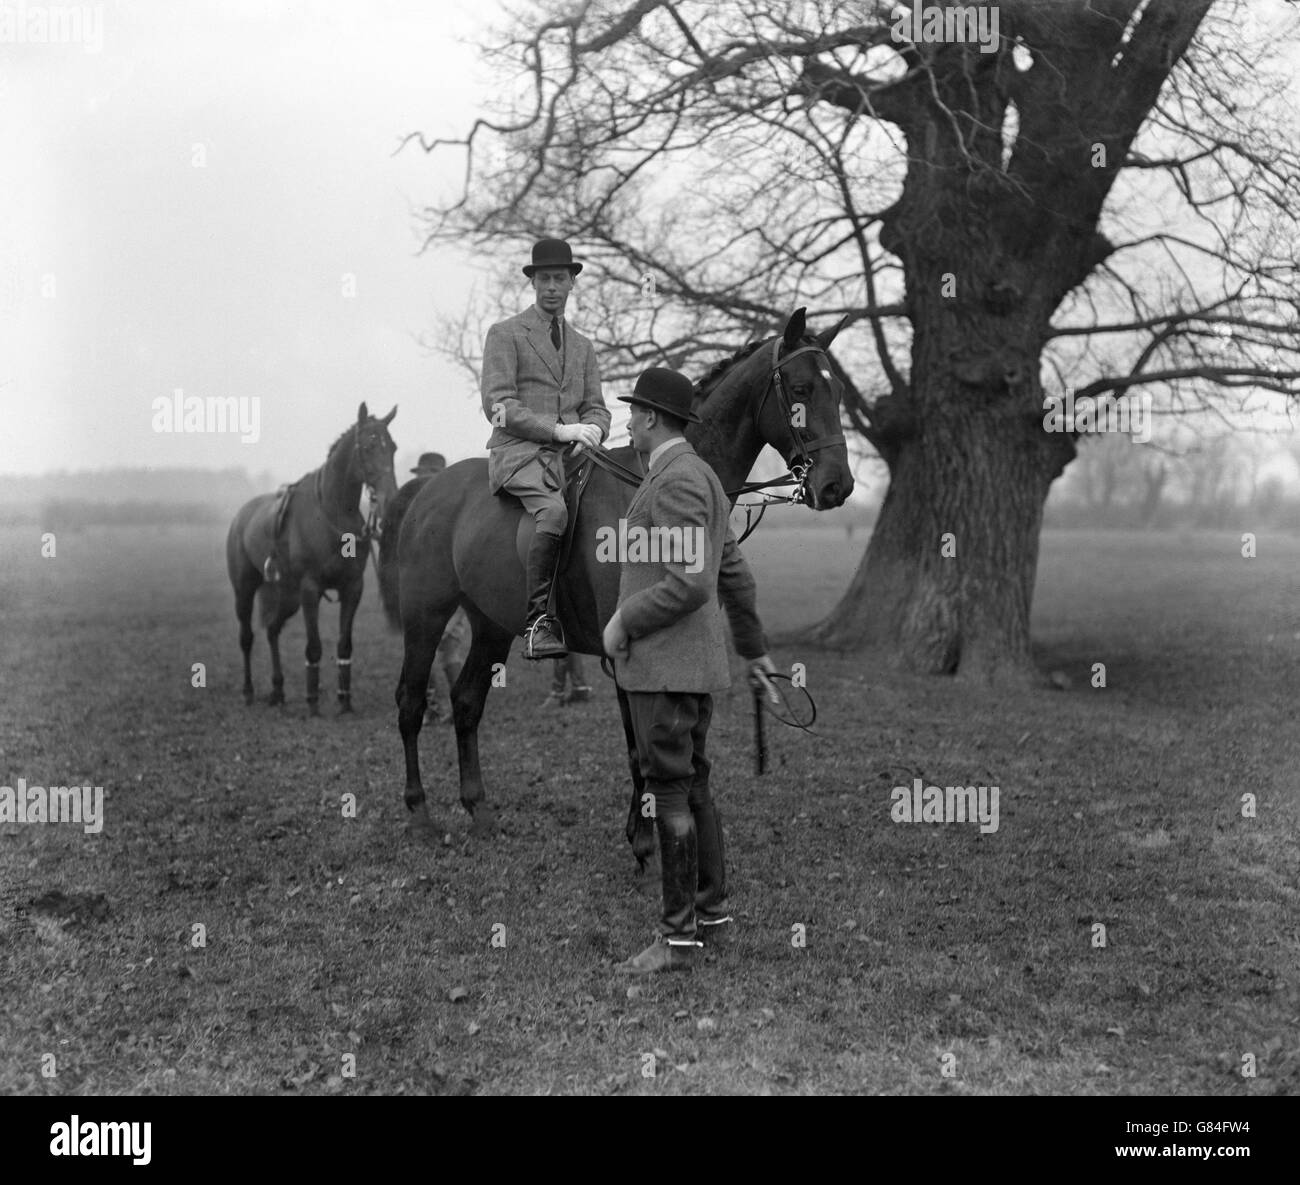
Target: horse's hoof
485,822
275,699
345,708
313,710
420,825
249,698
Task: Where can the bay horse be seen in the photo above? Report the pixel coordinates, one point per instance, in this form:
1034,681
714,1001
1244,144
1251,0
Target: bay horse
318,542
458,544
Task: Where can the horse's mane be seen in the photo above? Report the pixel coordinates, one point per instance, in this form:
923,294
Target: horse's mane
348,431
333,448
705,386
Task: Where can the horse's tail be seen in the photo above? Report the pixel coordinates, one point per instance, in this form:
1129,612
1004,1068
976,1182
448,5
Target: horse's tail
394,512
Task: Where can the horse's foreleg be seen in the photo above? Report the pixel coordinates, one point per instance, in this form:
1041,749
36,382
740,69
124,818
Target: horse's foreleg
640,828
349,599
487,656
311,618
421,641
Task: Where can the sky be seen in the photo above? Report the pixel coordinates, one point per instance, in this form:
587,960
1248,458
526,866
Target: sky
204,197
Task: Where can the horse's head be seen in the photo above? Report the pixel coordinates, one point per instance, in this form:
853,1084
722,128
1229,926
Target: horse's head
372,458
799,411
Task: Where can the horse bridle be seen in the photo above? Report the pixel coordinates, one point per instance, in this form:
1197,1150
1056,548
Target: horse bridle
374,524
800,460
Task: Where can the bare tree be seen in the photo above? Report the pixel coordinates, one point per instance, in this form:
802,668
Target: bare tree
1101,180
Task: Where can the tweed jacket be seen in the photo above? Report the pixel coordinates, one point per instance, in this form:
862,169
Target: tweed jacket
526,392
672,614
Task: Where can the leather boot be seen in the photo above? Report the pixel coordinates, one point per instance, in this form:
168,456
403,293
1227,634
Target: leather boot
662,955
544,639
713,923
679,853
677,945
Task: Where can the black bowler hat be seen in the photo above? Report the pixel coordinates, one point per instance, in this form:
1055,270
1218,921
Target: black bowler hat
551,253
667,391
430,463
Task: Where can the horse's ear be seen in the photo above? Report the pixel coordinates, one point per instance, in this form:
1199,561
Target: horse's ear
388,419
827,336
362,414
794,328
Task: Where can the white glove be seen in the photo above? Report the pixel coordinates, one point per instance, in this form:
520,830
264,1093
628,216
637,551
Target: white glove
581,434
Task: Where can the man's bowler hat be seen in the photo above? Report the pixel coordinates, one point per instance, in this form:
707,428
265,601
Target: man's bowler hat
551,253
430,463
666,391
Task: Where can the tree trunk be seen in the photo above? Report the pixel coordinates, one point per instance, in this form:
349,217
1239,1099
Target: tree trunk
947,581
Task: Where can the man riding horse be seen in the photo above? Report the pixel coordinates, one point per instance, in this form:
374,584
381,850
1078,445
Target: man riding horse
541,391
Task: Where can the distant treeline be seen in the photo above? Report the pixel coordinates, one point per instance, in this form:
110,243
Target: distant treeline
128,496
1260,514
65,514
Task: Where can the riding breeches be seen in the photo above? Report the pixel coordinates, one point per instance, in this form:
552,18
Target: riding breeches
536,485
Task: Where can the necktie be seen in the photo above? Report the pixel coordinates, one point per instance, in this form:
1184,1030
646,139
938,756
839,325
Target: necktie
555,332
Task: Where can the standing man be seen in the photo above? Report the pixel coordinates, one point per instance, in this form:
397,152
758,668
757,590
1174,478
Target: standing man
669,657
429,464
541,391
568,670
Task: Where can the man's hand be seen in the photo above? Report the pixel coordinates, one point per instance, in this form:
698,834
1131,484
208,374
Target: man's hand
759,669
615,639
580,434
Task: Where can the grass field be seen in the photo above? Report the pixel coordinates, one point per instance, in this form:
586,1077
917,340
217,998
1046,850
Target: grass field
929,948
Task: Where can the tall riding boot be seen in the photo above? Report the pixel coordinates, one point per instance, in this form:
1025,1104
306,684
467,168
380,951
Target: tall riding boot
711,917
544,639
313,688
679,852
676,946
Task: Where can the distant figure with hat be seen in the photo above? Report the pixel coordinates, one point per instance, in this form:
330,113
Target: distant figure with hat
541,392
453,646
429,464
669,657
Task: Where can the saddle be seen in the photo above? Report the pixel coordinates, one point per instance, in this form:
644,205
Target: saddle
575,472
272,569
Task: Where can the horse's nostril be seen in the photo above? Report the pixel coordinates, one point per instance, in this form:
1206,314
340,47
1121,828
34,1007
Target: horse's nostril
831,494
